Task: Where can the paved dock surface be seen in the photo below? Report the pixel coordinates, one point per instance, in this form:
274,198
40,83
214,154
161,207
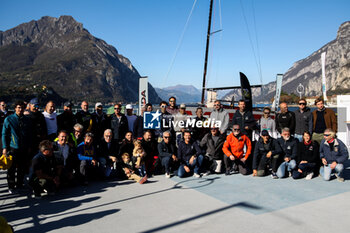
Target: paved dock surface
215,203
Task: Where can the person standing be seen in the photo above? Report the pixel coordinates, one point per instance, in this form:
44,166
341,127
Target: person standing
38,123
100,122
119,124
3,114
51,120
266,123
322,119
285,119
219,114
172,108
66,120
130,116
16,139
303,120
244,119
84,117
199,132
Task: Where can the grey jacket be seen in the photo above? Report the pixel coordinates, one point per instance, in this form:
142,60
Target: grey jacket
222,116
303,121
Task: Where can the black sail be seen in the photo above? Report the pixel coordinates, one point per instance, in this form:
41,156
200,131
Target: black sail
246,91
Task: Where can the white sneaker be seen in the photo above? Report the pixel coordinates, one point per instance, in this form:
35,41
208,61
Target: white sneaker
167,175
196,175
309,176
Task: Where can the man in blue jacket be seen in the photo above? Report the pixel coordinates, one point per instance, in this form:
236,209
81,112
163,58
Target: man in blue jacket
87,156
16,139
333,153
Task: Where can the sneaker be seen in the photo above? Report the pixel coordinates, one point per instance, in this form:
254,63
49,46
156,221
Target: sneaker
227,173
196,175
273,175
11,191
206,173
37,196
340,179
143,180
309,176
167,175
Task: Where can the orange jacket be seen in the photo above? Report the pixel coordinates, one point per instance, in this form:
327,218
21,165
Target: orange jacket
235,146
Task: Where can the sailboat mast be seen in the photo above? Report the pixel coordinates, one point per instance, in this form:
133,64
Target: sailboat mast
207,51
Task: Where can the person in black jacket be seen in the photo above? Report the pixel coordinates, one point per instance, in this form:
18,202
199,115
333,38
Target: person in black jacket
100,122
266,154
167,153
38,123
119,124
190,157
303,120
150,147
107,154
84,117
66,120
244,119
213,143
308,156
285,119
289,147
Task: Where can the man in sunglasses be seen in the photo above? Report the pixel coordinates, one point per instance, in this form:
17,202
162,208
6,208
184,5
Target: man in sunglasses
235,156
303,120
172,108
167,153
322,118
165,121
333,153
119,123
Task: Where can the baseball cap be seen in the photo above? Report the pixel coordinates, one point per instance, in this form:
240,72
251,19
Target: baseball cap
128,106
34,101
182,106
98,104
265,133
68,104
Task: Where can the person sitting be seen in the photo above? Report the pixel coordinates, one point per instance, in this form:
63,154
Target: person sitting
333,153
308,155
66,154
87,156
46,170
190,157
77,136
213,143
167,153
234,151
138,155
266,154
128,168
107,151
127,144
289,147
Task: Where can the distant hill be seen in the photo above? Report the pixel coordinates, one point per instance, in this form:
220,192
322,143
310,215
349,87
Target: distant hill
59,56
308,71
183,93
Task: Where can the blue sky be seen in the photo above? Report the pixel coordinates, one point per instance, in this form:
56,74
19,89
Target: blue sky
147,32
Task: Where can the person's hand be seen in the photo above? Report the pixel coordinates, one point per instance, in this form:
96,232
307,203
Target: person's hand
324,161
232,157
127,171
268,155
192,159
303,161
114,159
255,172
246,127
243,159
174,157
333,165
187,169
4,151
287,159
300,171
94,162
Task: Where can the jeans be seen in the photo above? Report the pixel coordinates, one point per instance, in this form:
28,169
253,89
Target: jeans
326,171
281,171
195,166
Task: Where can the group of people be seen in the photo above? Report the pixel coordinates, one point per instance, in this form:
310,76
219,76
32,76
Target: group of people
53,150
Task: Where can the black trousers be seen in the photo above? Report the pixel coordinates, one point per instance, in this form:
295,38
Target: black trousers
20,166
242,168
265,163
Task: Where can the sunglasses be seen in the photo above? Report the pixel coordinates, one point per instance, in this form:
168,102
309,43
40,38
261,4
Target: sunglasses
163,106
166,137
326,135
116,108
266,112
236,130
302,103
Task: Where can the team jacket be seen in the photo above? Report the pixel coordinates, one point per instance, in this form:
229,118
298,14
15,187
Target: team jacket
289,147
262,149
235,145
339,154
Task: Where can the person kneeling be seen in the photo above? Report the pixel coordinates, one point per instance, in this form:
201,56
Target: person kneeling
129,169
333,153
46,170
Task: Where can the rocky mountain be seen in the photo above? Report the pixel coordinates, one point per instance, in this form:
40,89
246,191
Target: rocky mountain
308,71
183,93
57,55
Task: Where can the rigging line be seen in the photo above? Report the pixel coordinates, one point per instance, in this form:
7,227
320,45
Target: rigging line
179,42
250,39
257,43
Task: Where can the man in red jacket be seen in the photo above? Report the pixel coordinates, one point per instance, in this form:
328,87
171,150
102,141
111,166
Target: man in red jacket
234,151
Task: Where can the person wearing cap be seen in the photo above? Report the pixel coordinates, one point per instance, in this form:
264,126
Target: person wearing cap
100,122
235,156
84,117
266,154
179,123
38,123
51,120
66,120
130,116
219,114
334,154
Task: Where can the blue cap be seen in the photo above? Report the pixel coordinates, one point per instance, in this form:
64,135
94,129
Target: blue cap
34,101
